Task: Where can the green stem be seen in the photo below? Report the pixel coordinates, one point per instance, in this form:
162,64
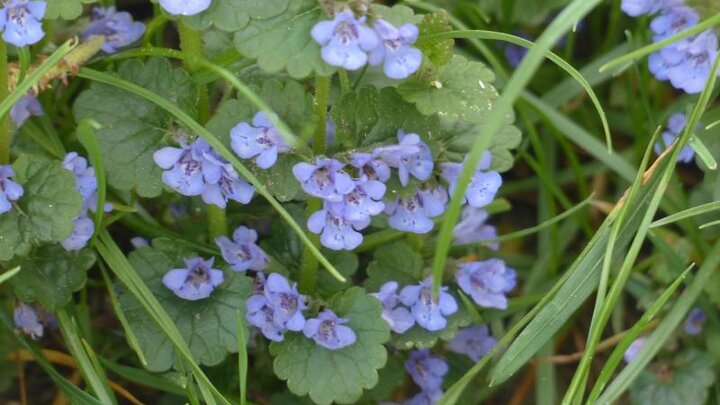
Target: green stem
191,45
309,265
4,122
345,85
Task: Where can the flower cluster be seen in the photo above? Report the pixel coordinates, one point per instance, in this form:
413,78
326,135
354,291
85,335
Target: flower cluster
349,43
185,7
197,169
686,63
9,190
419,306
21,22
427,371
486,282
676,124
276,307
86,184
118,28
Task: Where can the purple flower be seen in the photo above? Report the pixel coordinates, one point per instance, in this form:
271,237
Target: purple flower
9,190
83,229
118,28
242,252
675,125
399,58
337,232
475,342
472,228
370,165
429,313
411,157
26,107
229,186
634,348
636,8
329,331
324,179
286,303
694,321
260,315
672,21
27,320
487,282
139,242
426,369
196,281
260,139
186,167
185,7
362,202
345,40
413,214
397,317
85,180
483,185
21,22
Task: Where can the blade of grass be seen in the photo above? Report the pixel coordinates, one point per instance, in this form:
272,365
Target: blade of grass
522,42
129,333
86,134
142,377
119,264
633,333
687,213
9,274
220,148
530,63
665,329
93,376
242,358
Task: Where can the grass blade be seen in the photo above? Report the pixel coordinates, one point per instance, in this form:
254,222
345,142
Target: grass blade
242,359
687,213
9,274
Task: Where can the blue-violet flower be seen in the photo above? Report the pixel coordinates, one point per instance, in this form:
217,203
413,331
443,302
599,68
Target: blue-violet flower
27,320
26,107
676,124
693,322
242,252
483,185
411,156
472,227
185,7
194,282
429,313
486,282
324,179
9,190
345,40
413,214
118,28
260,139
395,52
397,317
475,342
21,22
426,369
329,331
337,232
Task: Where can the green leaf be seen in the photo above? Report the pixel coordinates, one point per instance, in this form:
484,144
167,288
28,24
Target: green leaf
347,264
51,275
461,135
336,375
208,325
65,9
460,90
523,12
370,116
8,371
46,211
395,261
392,377
396,15
439,52
685,380
132,127
233,15
284,42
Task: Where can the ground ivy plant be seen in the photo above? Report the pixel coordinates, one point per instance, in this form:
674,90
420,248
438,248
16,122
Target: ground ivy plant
320,201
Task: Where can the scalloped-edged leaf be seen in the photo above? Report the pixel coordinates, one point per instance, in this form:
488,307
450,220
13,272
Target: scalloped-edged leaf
65,9
132,127
460,90
233,15
207,325
283,42
461,136
419,338
396,262
686,380
46,210
51,275
370,116
439,52
336,375
396,15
